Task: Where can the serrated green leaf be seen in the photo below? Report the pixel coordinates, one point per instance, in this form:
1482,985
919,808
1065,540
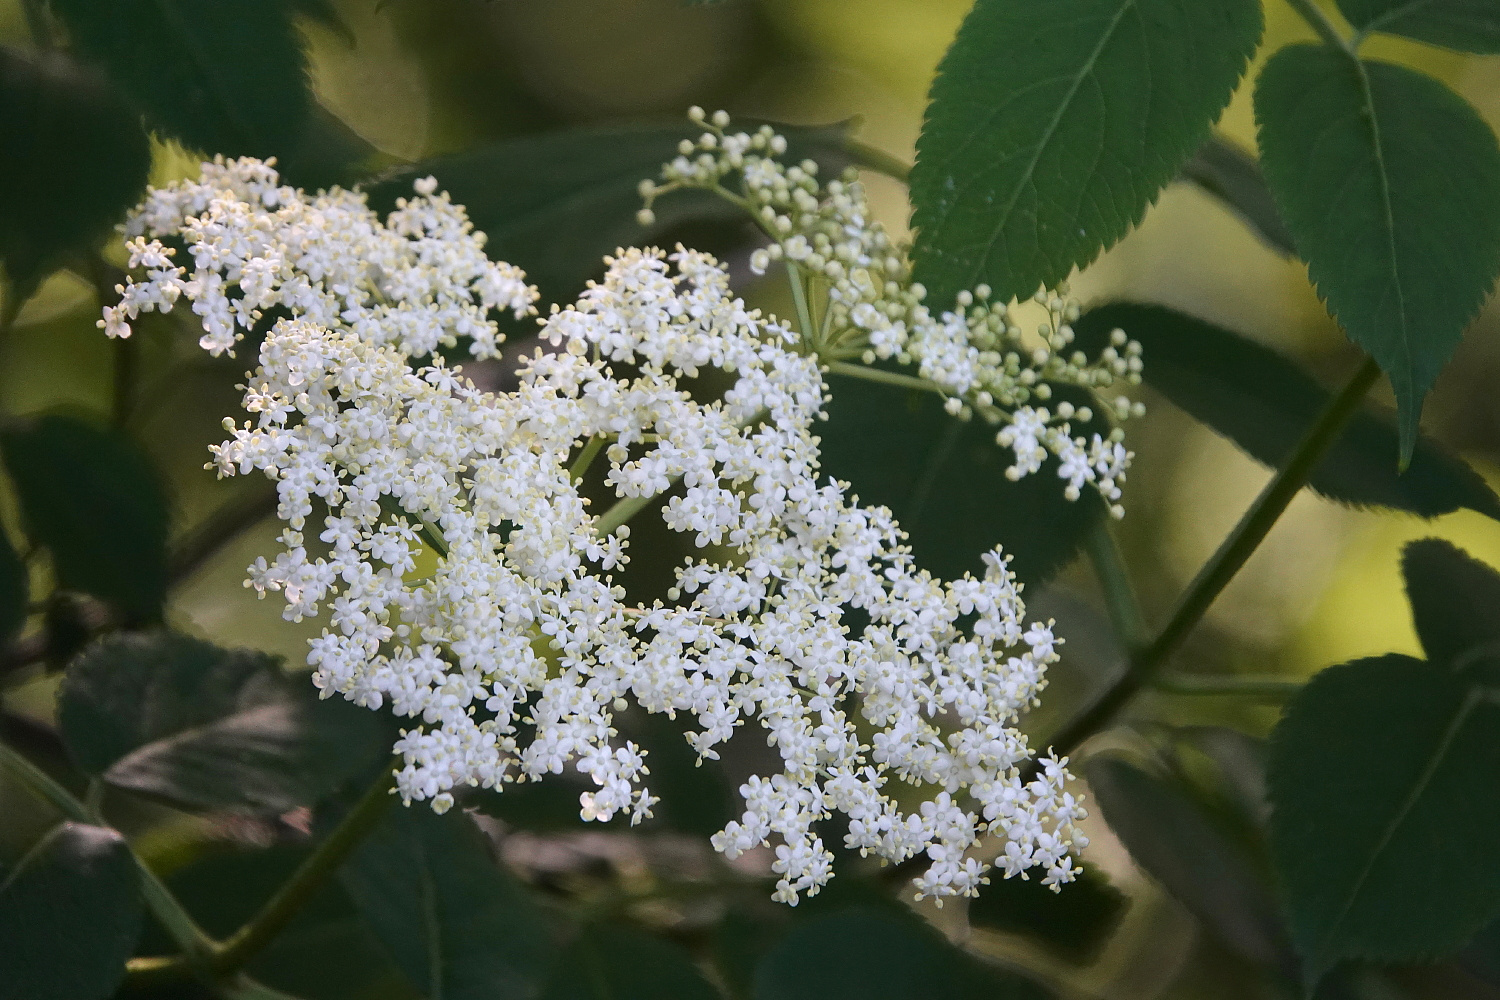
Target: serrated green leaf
1264,402
1382,779
1051,127
555,204
74,159
456,923
70,914
863,953
1466,25
1455,604
13,590
1075,922
203,727
1230,174
90,496
221,76
945,481
621,963
1390,185
1179,844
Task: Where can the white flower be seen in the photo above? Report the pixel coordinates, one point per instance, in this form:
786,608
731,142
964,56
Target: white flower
419,279
514,653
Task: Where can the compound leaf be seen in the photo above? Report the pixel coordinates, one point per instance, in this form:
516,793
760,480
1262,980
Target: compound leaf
221,76
1466,25
183,720
454,921
1455,604
70,915
1390,185
90,496
1052,126
1264,402
74,159
1374,769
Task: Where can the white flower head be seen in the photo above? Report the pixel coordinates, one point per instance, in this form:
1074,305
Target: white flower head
513,655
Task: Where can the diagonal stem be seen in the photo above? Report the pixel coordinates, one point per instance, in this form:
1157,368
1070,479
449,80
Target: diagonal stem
309,877
1241,543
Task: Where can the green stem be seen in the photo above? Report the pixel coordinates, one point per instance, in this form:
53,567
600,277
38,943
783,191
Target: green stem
1226,562
163,905
1260,688
1314,16
799,300
430,535
884,377
221,527
126,351
309,877
585,457
878,160
1119,595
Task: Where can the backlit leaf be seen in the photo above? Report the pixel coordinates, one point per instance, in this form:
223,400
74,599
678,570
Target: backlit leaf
1390,185
1382,782
1052,126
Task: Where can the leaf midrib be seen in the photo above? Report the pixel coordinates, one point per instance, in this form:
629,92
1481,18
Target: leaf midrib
1389,213
1471,700
1084,72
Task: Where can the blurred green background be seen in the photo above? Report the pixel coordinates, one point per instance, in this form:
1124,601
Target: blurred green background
419,78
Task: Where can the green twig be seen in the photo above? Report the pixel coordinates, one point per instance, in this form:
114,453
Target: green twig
878,160
1314,16
309,877
207,538
585,457
1226,562
799,301
1260,688
430,535
163,905
1119,595
884,377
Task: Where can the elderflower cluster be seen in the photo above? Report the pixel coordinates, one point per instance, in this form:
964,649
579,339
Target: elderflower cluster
513,648
976,354
418,280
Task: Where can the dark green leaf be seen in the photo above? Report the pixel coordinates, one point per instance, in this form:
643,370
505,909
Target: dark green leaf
1466,25
1230,174
222,76
292,752
945,481
132,689
70,915
861,953
1386,818
555,204
1052,126
1390,185
1455,603
14,591
621,963
1075,922
1184,848
326,953
1265,403
456,923
204,727
90,496
74,159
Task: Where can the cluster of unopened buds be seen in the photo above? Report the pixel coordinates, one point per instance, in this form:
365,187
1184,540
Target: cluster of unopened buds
805,619
976,354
